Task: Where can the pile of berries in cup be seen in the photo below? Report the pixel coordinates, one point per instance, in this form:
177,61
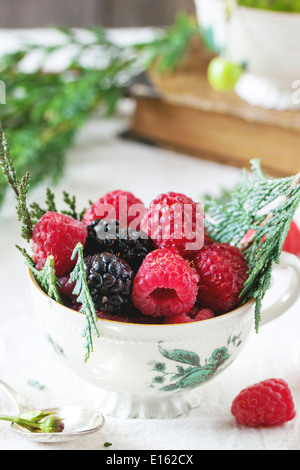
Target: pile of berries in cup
151,265
157,265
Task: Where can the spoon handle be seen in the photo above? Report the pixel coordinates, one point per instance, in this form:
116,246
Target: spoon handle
20,402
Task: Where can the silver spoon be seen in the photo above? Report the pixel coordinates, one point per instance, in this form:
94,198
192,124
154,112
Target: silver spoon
77,421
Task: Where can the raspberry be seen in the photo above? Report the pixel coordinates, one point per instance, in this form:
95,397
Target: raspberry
174,221
110,281
108,235
194,315
65,287
122,318
266,403
292,242
223,271
115,205
207,239
66,290
57,234
202,314
165,285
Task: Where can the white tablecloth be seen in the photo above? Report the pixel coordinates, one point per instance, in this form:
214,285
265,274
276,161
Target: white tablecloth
100,162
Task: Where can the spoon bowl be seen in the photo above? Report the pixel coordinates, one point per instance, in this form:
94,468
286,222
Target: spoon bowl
77,421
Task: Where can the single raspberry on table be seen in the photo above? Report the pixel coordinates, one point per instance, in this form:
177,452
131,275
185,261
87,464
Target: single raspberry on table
194,315
165,285
116,205
223,271
175,221
57,234
267,403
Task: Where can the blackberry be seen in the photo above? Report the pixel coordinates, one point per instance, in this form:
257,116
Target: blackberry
109,236
110,281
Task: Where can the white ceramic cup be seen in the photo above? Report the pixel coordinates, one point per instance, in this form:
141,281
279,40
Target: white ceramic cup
156,371
268,42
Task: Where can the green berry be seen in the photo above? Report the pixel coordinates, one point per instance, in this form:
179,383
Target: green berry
223,74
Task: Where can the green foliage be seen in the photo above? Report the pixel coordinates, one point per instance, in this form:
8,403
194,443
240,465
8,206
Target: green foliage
71,202
50,201
46,278
275,5
37,211
45,110
48,281
257,219
223,198
84,298
170,46
20,187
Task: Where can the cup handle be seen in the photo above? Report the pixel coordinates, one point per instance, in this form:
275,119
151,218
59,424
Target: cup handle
284,290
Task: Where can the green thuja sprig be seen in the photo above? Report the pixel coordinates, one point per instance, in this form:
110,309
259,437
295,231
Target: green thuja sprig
28,260
84,298
71,202
166,50
46,277
50,201
48,280
37,211
256,218
20,187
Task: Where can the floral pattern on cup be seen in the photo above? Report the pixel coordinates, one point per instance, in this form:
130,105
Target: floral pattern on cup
195,374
